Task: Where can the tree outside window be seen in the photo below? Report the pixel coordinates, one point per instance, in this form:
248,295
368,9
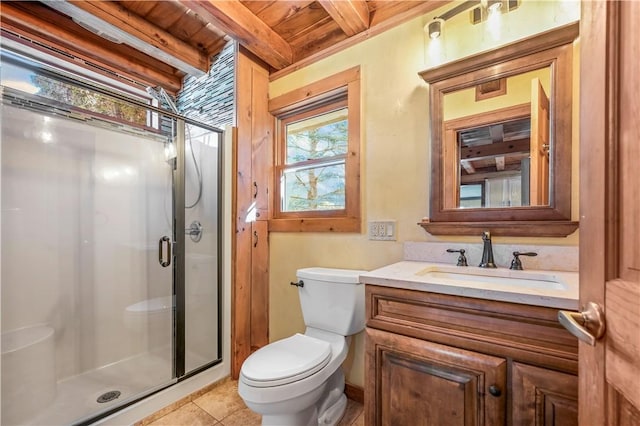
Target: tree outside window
314,178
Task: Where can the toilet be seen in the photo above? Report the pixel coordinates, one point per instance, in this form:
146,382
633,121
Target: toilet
298,381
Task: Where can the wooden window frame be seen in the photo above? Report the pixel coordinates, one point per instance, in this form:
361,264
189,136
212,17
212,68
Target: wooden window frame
334,92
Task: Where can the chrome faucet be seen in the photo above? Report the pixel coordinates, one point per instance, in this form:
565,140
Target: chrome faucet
487,251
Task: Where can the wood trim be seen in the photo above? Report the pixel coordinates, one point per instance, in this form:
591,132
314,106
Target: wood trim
341,224
541,228
420,9
234,18
50,29
354,393
318,95
597,117
560,59
142,29
320,91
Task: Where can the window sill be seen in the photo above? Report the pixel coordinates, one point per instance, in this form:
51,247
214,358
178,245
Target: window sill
333,224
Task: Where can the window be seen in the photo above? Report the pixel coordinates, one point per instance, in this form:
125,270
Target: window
50,82
317,164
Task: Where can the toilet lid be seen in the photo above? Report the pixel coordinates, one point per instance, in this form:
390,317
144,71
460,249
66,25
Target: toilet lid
286,361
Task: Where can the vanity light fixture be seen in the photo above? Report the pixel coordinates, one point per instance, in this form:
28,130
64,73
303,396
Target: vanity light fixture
481,10
494,6
435,28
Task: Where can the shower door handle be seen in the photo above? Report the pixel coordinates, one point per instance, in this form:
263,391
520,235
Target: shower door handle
164,256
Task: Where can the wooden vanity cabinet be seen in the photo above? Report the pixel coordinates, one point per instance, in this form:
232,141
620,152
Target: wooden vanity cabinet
434,359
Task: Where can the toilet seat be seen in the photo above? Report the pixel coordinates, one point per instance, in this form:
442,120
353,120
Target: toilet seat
286,361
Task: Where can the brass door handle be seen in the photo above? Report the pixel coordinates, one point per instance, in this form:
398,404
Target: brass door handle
587,325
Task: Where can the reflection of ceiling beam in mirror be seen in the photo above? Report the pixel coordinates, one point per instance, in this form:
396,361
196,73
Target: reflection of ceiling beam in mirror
494,150
468,167
500,163
479,177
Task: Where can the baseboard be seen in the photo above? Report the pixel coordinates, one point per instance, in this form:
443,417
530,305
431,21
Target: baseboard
354,393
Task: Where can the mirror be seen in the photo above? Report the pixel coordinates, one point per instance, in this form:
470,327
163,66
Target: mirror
501,140
500,132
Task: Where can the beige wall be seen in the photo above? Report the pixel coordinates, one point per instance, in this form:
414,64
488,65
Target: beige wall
395,156
462,103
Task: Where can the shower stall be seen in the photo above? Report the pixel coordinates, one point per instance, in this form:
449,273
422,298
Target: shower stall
111,248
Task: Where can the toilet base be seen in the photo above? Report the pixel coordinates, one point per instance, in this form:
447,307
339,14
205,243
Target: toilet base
308,417
334,414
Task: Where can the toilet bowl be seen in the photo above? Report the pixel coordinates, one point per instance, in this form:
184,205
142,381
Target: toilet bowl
299,380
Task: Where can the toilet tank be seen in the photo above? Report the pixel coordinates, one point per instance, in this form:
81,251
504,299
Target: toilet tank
332,299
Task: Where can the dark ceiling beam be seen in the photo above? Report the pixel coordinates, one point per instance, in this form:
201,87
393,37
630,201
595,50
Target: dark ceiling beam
351,15
240,23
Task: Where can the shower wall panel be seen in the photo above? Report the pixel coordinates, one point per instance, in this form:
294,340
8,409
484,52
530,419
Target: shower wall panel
81,211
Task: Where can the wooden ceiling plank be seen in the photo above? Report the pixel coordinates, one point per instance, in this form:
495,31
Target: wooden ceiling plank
48,27
493,150
141,8
351,15
257,6
377,26
278,12
302,22
317,39
147,32
240,23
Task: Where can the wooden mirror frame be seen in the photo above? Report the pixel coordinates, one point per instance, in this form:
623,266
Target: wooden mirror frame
553,49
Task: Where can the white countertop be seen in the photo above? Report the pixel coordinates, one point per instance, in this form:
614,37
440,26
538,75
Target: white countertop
560,291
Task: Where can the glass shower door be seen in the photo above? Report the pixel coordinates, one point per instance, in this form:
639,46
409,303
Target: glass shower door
87,226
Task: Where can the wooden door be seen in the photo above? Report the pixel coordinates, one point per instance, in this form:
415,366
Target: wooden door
610,210
539,146
415,382
250,258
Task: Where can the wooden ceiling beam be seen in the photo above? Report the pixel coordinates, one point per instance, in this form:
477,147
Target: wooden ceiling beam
468,166
51,29
493,150
137,32
351,15
241,24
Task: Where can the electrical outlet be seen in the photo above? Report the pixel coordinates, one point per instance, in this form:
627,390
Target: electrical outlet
382,230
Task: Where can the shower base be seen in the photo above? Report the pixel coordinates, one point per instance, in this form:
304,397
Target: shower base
76,397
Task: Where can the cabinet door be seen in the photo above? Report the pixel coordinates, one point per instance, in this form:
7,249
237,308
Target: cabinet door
543,397
415,382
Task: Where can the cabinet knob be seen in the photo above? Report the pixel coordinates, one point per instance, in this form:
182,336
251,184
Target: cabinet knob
495,390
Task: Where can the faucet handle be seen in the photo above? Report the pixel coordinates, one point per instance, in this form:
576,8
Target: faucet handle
462,260
516,263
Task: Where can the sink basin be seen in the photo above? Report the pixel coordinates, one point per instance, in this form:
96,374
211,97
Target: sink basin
478,276
553,289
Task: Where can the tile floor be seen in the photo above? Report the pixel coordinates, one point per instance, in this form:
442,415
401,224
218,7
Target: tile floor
222,406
